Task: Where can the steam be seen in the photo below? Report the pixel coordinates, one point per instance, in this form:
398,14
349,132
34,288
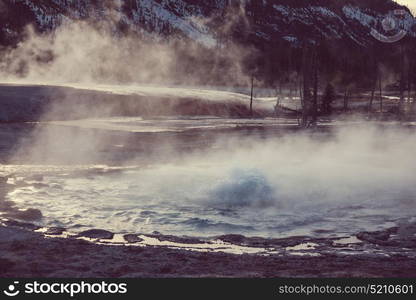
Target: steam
348,180
356,165
362,164
78,52
92,52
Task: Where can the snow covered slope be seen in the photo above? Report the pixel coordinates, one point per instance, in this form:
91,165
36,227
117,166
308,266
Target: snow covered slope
34,102
269,20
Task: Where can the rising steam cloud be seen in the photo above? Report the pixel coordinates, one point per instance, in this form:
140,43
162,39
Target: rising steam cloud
96,52
348,180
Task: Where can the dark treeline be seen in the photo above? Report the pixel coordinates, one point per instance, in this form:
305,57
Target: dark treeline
313,69
321,70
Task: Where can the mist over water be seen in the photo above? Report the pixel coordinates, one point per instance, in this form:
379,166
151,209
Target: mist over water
91,52
357,179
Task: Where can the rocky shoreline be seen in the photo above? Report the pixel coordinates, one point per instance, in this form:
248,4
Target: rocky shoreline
28,251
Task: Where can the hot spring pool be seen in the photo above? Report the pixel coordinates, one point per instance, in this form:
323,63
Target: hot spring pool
356,181
207,201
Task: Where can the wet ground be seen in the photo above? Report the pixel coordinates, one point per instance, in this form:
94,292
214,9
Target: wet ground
25,253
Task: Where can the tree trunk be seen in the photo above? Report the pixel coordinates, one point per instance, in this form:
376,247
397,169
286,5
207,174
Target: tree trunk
370,105
402,83
306,88
381,94
251,96
315,90
346,99
409,87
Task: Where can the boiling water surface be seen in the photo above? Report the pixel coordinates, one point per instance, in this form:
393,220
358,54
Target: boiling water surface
359,179
213,199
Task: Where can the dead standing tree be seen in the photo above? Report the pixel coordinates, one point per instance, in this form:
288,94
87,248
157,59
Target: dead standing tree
315,75
309,88
402,84
305,88
251,96
374,66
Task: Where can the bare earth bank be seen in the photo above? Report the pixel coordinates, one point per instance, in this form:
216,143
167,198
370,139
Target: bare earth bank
25,253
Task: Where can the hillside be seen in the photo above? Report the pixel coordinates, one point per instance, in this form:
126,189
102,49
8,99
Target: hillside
258,21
